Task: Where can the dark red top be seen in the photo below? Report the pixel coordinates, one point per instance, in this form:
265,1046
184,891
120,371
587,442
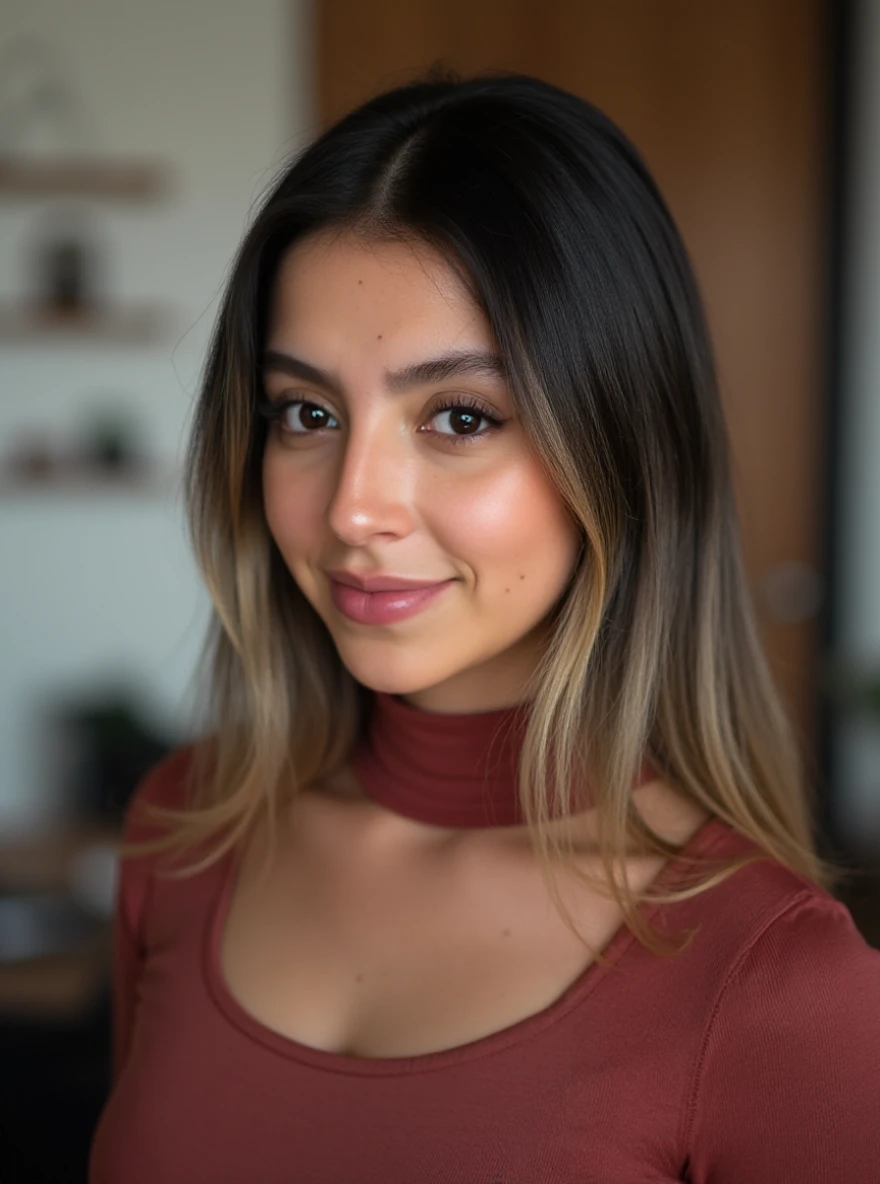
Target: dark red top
751,1058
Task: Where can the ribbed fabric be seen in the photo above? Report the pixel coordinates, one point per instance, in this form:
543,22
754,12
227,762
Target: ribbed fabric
448,770
456,770
753,1057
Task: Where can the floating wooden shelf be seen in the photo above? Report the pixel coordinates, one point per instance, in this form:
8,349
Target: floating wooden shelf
88,479
59,986
114,324
82,177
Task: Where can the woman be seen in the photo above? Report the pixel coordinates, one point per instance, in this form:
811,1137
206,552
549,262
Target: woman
499,866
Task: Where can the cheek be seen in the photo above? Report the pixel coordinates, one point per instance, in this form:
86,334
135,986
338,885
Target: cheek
293,510
517,521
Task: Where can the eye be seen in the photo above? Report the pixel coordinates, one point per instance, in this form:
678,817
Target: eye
462,416
459,416
296,417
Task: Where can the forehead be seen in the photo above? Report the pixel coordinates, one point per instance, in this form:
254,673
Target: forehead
350,287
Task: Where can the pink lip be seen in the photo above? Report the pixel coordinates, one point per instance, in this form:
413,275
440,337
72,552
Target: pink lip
383,607
379,583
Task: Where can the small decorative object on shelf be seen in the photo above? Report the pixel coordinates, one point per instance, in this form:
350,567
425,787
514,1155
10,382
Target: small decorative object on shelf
46,150
69,290
65,265
30,460
108,454
66,262
44,138
112,440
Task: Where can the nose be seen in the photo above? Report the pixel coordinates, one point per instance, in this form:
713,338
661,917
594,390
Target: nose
373,494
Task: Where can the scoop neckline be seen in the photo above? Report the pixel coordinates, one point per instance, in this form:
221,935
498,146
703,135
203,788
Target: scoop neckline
704,838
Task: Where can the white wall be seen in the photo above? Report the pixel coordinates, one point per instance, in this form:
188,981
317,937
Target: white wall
93,584
859,764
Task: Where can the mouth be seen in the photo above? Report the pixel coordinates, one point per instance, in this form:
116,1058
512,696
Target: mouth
384,606
379,583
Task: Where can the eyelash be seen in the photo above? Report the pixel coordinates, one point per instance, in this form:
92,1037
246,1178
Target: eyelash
273,410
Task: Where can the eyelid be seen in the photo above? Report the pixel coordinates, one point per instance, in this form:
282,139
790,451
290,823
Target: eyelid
273,409
467,403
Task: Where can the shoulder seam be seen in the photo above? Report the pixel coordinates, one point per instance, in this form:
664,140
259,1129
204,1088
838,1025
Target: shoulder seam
154,780
133,820
692,1095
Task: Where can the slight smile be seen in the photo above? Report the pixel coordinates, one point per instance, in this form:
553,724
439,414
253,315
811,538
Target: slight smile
383,608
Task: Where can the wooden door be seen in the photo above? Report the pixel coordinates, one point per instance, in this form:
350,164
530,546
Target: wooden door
728,104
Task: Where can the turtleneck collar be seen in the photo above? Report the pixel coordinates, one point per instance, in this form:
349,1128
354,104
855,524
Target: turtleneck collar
446,770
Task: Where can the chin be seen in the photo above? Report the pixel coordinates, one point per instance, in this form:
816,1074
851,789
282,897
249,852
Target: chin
389,681
405,676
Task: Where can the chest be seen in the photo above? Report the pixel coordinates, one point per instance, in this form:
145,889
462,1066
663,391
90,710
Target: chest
353,940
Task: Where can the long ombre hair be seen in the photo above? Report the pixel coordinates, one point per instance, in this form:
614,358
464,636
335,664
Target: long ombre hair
551,217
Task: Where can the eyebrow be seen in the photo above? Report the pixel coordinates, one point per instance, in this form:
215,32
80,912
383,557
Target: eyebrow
476,363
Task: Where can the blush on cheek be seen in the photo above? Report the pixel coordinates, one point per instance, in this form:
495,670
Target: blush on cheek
293,512
521,547
519,518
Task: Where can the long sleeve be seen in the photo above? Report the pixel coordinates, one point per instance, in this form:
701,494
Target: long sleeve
163,786
127,963
787,1086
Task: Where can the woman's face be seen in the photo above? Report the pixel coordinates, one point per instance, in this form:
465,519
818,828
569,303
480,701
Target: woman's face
395,451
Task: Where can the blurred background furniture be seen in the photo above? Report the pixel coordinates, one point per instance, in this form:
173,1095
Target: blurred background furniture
55,1003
